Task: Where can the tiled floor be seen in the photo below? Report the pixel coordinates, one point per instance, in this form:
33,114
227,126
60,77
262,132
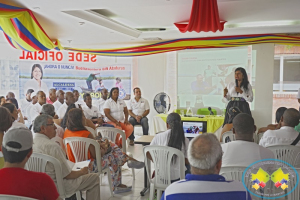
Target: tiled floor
137,185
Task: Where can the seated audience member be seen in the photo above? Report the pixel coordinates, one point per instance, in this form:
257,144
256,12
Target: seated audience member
138,109
13,101
113,159
5,122
278,115
205,157
14,114
34,98
52,96
36,108
115,109
69,99
44,129
91,112
11,96
17,149
101,101
48,109
232,113
173,137
60,96
243,128
286,135
76,96
24,103
2,100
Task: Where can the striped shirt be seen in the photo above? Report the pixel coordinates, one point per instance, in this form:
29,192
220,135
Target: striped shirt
212,187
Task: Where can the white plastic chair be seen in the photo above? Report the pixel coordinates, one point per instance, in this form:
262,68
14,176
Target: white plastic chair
91,130
137,132
80,148
228,134
162,158
37,163
287,153
13,197
236,174
111,134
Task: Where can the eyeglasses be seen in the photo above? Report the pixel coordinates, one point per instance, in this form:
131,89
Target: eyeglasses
50,124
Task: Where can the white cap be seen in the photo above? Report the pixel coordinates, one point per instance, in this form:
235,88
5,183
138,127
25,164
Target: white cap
22,136
33,94
298,96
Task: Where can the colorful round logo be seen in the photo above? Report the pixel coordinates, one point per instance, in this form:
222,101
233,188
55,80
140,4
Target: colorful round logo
270,179
122,94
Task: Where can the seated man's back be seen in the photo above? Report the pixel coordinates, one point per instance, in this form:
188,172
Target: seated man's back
206,187
20,182
243,153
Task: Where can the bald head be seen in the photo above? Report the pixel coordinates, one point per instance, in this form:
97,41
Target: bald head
69,96
205,154
291,117
243,125
60,96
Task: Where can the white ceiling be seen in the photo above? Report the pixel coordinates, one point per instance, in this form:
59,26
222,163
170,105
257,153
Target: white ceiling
153,14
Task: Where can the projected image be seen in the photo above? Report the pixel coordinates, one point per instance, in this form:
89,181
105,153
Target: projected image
203,75
193,127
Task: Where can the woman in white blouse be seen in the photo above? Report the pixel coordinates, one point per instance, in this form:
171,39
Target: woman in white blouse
116,113
238,93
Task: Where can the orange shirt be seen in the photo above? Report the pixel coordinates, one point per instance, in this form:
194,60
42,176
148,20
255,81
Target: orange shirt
81,133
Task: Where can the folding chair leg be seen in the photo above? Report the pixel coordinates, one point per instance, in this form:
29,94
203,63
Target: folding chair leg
151,195
133,174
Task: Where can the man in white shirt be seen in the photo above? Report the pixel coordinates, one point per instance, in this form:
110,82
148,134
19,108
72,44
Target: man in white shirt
60,95
76,96
101,101
36,109
286,135
69,96
138,109
243,151
73,181
24,103
33,96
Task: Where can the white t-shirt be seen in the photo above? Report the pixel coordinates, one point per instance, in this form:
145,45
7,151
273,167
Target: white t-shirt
57,105
28,109
101,103
89,113
62,110
33,84
248,96
23,106
16,124
138,108
243,153
162,139
283,136
116,109
35,111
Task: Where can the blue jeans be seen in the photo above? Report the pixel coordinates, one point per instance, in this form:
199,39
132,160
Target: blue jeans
107,125
143,122
89,84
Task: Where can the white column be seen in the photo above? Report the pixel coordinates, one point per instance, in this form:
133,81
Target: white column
281,74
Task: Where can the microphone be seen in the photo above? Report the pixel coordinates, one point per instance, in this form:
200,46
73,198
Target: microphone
210,111
236,84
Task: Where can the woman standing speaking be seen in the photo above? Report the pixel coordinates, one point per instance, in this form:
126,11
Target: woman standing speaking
238,93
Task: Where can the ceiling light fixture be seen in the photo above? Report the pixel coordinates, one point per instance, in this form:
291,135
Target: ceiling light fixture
263,23
101,20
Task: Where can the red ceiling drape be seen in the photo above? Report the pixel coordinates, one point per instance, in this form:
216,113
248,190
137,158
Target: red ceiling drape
204,17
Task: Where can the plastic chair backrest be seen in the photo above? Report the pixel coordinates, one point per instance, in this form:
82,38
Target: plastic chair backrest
13,197
228,134
205,111
287,153
80,148
91,130
111,134
37,163
162,158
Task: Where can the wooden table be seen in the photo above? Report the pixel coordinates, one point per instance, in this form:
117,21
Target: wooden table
145,140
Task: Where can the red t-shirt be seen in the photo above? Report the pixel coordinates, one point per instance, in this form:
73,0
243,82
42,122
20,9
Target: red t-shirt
20,182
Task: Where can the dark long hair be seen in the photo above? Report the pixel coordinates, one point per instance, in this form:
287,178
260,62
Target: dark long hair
176,139
245,81
5,119
279,113
13,101
38,66
65,119
74,121
111,91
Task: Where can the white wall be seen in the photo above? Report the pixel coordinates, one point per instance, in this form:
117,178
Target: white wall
263,94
